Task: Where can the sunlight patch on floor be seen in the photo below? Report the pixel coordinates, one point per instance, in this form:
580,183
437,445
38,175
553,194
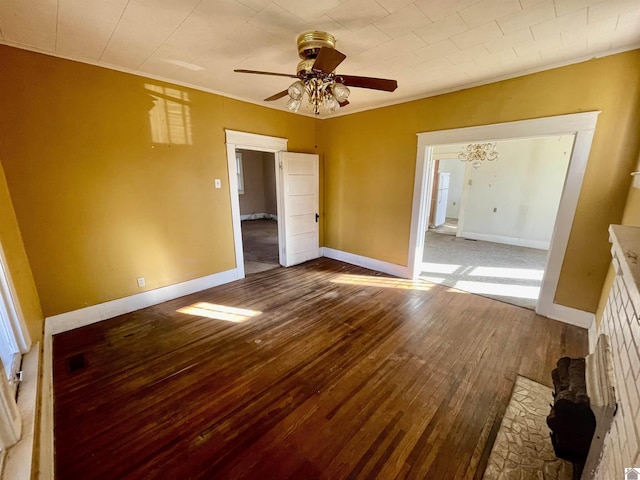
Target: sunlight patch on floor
219,312
499,289
386,282
503,272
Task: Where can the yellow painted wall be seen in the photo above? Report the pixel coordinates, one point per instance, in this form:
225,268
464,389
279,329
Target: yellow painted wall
631,217
102,195
18,264
370,162
632,209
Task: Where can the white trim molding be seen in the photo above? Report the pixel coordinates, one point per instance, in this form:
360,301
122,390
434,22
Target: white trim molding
15,321
366,262
103,311
582,125
520,242
572,316
254,141
260,143
96,313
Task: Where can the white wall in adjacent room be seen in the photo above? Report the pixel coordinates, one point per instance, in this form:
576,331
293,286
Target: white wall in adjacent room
514,199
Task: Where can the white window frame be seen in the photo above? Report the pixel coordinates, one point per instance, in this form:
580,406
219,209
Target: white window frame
240,173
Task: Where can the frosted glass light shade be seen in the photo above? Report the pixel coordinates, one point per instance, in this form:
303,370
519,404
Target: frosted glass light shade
296,90
332,103
294,104
340,92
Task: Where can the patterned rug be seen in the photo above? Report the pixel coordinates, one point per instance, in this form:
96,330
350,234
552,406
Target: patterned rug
523,449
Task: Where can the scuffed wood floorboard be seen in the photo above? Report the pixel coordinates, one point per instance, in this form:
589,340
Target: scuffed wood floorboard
345,373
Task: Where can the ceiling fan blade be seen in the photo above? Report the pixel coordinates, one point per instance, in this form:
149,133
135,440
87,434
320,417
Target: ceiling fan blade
328,59
265,73
277,96
370,82
344,103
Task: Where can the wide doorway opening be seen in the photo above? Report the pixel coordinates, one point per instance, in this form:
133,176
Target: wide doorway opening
491,221
258,204
580,125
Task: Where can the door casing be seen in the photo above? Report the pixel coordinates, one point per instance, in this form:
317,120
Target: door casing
261,143
581,124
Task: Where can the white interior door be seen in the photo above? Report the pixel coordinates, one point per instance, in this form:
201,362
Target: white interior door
298,207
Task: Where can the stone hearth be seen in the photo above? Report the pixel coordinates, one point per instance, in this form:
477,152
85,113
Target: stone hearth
523,450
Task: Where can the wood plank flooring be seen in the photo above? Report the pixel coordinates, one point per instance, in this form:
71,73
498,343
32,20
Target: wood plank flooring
344,374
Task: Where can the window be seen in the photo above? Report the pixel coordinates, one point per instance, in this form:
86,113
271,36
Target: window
239,173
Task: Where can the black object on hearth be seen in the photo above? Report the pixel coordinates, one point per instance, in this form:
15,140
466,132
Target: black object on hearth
571,420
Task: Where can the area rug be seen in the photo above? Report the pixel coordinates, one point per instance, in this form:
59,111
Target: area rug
523,449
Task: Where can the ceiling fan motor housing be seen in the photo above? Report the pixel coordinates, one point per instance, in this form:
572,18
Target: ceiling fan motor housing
310,43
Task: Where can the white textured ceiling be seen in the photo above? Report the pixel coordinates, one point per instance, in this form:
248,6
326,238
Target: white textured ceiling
428,46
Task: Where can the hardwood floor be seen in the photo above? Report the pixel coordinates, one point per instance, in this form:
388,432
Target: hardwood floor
343,374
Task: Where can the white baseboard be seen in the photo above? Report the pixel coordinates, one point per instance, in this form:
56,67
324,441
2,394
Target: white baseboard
95,313
366,262
258,216
18,462
572,316
520,242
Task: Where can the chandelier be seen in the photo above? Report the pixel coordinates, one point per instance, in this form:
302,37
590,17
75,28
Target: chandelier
476,153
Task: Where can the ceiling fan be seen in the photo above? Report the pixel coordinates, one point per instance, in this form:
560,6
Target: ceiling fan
317,78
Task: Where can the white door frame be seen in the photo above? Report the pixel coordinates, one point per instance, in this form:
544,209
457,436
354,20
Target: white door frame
259,143
581,124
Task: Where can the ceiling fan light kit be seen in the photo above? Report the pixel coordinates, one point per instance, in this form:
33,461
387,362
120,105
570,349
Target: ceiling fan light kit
317,78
